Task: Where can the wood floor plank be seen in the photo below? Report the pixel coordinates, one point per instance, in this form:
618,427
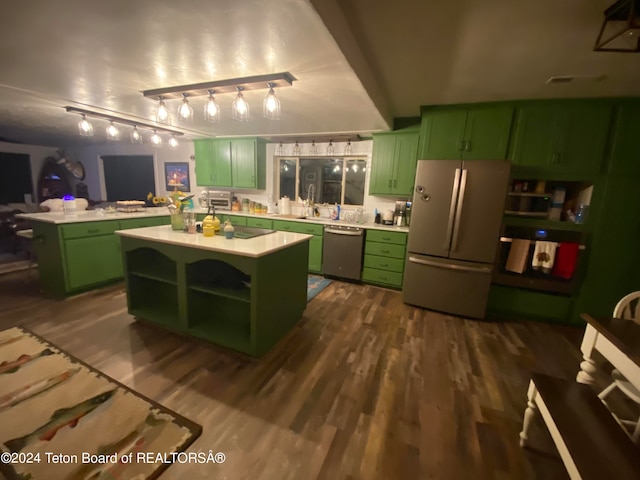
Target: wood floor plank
364,387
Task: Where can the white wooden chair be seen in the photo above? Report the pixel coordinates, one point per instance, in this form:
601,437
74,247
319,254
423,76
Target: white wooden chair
627,308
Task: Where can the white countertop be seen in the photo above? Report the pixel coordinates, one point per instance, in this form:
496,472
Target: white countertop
96,216
250,247
92,215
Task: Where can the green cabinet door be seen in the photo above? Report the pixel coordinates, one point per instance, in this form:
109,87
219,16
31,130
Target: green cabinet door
244,163
405,162
213,162
583,139
221,163
92,260
487,133
315,253
442,135
204,162
382,164
625,155
535,143
562,137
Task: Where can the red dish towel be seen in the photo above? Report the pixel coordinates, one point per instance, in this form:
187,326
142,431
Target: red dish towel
566,259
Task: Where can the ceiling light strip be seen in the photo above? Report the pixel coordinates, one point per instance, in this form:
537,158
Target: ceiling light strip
282,79
124,121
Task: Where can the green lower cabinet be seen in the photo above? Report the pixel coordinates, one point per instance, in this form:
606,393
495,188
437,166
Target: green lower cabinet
371,275
384,255
259,222
514,303
92,260
315,244
141,222
384,263
315,254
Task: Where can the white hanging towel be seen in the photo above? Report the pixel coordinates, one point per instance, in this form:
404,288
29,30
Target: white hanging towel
544,255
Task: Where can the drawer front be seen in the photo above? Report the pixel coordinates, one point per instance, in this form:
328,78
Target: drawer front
382,236
259,222
384,249
384,263
284,226
89,229
140,222
383,277
235,220
309,228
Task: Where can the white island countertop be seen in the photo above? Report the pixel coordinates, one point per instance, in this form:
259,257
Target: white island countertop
249,247
98,216
92,215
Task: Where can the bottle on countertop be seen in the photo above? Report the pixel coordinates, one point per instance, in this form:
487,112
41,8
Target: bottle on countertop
228,229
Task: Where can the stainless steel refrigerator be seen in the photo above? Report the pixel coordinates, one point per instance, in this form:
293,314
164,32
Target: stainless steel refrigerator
455,225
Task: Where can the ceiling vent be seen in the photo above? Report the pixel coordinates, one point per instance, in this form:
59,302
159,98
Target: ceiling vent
574,78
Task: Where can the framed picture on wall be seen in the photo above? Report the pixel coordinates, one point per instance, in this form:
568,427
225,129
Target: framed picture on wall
176,176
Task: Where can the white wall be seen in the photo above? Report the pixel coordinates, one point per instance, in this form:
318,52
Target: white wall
37,154
95,179
90,158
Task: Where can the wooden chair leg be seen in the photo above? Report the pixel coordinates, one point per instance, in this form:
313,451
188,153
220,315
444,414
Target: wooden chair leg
606,392
636,433
528,413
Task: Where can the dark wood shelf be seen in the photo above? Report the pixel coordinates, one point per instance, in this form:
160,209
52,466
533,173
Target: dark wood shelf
158,276
542,223
548,284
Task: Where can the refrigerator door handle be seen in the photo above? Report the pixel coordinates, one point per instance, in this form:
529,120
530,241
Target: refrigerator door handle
456,228
450,266
452,209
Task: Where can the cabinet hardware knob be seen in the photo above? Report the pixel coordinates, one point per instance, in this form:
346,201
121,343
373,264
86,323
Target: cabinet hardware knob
419,188
395,183
389,184
384,264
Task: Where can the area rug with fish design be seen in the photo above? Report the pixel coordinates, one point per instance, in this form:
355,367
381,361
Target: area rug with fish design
62,419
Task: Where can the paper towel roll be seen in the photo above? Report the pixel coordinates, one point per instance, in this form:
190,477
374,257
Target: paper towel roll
285,206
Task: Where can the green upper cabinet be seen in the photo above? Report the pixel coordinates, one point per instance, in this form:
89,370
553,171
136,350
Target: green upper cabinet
473,133
625,155
394,160
213,163
562,137
239,163
246,161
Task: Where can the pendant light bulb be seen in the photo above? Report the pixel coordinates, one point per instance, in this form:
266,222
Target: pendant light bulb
156,140
240,107
330,149
184,110
212,109
112,132
173,142
85,128
271,105
162,114
135,135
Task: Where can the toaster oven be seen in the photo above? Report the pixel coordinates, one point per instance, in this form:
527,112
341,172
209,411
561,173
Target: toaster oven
219,200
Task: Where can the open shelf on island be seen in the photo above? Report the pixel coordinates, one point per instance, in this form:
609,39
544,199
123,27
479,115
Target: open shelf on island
151,264
223,320
153,300
241,295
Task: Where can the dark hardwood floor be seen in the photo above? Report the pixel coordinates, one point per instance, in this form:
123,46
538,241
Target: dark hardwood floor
365,387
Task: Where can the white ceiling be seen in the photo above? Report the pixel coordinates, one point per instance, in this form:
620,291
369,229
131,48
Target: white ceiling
358,63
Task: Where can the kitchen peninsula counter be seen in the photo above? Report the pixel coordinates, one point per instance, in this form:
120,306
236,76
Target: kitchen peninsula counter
242,294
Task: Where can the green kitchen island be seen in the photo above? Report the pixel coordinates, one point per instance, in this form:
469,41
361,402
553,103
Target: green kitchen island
242,294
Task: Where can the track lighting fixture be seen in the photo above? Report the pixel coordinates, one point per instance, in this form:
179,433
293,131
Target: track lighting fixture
85,127
212,109
271,104
184,110
240,107
162,113
113,133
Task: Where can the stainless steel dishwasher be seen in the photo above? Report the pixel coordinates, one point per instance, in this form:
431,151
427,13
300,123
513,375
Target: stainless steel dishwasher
342,251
